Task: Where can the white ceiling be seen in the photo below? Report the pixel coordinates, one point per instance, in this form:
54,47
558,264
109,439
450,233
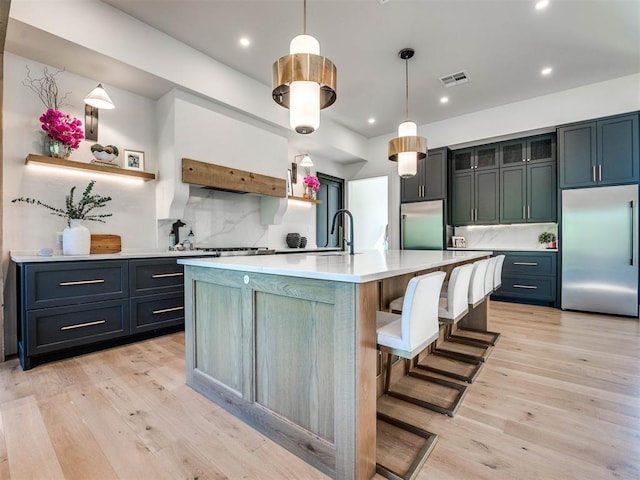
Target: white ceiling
501,44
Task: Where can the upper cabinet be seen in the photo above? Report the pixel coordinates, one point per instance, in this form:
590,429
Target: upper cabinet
474,185
599,152
507,182
540,148
430,182
528,180
475,158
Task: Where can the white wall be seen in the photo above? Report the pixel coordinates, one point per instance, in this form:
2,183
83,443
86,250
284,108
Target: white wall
130,125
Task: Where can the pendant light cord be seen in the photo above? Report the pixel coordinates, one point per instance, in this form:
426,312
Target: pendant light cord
406,84
304,22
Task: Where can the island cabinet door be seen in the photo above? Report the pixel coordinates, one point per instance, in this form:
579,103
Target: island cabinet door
282,353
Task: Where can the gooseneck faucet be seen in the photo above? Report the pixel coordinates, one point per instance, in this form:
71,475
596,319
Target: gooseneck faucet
333,227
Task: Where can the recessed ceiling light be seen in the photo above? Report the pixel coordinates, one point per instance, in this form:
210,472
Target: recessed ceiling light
371,120
245,42
546,71
444,99
542,4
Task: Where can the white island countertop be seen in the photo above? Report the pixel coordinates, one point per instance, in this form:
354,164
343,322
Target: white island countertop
338,266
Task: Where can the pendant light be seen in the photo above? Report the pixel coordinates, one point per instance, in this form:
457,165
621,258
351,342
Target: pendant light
304,81
408,147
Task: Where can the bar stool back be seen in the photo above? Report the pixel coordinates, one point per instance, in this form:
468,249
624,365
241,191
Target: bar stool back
489,276
497,277
409,333
476,287
453,305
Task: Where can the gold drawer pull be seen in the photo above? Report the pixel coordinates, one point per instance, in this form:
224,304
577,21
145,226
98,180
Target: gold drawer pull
165,275
80,282
530,287
528,264
165,310
80,325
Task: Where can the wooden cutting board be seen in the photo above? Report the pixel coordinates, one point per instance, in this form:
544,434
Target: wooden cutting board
105,244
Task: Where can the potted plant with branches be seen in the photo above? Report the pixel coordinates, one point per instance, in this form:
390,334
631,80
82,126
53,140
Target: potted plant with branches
76,238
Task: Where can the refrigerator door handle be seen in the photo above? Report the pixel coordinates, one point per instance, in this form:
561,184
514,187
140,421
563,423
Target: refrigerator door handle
403,217
632,214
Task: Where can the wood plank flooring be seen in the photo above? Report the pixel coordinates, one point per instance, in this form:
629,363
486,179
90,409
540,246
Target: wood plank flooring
559,398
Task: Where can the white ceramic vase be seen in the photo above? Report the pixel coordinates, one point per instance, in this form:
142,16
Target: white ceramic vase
76,239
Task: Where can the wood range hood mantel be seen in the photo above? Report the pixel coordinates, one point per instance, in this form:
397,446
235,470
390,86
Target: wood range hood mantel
230,179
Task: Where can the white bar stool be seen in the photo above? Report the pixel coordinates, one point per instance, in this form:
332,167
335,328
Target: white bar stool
406,335
493,281
462,349
453,307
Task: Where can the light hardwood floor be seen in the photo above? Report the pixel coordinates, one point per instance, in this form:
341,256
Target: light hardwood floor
559,398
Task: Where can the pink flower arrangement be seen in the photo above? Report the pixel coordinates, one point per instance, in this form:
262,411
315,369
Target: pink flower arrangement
63,128
312,182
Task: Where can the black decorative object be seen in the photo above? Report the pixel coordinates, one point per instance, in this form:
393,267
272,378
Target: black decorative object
293,240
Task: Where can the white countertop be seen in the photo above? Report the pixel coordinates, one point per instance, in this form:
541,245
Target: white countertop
337,266
31,256
504,249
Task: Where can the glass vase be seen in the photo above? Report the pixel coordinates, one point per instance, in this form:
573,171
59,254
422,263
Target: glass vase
57,149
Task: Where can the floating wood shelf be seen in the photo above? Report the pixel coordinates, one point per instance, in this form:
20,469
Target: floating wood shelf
61,162
302,199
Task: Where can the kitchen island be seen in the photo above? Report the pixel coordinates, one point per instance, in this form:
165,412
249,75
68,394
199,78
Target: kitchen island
288,344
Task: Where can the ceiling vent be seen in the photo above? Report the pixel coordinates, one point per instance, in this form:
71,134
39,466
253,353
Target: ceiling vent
382,2
454,79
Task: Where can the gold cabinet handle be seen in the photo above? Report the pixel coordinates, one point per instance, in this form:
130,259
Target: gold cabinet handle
165,275
80,282
528,264
165,310
81,325
528,287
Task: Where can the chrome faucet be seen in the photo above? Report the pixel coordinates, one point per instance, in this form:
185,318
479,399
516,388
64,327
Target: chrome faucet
333,227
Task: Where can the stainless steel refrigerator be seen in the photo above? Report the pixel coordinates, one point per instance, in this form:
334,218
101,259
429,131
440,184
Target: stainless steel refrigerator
422,225
599,245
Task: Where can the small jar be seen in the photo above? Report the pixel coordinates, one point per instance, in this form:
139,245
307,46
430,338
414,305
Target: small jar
172,241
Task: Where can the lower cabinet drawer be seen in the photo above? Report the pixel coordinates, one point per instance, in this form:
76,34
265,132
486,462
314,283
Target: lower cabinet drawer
70,283
157,311
151,276
53,329
538,288
530,264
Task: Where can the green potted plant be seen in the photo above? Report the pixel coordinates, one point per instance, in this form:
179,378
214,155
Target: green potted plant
76,238
547,238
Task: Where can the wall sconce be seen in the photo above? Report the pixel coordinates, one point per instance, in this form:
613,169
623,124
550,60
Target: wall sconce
97,98
306,163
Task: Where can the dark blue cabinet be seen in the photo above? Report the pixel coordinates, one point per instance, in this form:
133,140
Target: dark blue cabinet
529,277
430,181
69,307
599,152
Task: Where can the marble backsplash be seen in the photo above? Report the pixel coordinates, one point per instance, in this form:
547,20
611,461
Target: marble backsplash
219,219
524,236
225,219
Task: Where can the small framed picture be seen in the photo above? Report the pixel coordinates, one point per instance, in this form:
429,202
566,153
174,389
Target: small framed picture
289,186
133,160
